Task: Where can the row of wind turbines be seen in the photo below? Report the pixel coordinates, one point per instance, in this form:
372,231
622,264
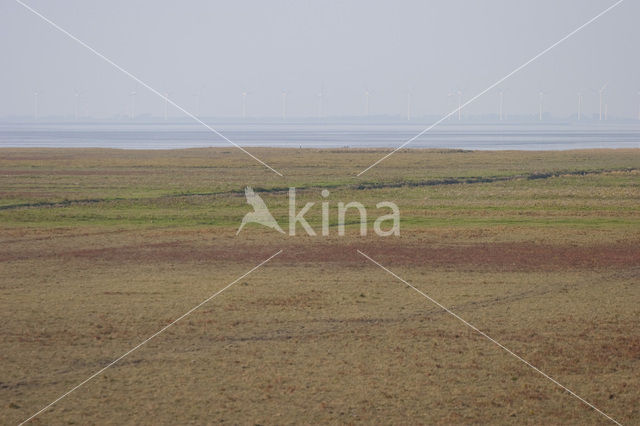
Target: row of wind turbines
320,96
132,103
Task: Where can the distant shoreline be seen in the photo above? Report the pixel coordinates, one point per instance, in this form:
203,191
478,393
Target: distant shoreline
485,137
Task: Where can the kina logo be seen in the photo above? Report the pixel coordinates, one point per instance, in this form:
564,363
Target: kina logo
260,213
263,216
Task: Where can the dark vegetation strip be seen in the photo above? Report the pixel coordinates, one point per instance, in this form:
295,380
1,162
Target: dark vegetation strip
63,203
489,179
360,186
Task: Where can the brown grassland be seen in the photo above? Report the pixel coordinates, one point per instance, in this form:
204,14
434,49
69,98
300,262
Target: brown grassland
99,249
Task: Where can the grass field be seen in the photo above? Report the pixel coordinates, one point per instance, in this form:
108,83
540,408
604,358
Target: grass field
102,248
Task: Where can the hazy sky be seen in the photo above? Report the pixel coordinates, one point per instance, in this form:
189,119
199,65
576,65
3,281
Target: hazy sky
224,48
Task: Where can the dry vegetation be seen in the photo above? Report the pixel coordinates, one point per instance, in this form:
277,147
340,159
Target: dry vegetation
101,248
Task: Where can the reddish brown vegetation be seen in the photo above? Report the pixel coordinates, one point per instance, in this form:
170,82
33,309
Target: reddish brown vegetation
505,256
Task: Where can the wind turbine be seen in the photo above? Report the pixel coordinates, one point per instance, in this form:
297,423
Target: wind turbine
540,104
501,104
244,104
639,105
132,95
408,104
459,105
601,93
579,105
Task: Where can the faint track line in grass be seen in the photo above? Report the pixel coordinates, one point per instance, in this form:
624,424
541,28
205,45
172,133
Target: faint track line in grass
489,338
